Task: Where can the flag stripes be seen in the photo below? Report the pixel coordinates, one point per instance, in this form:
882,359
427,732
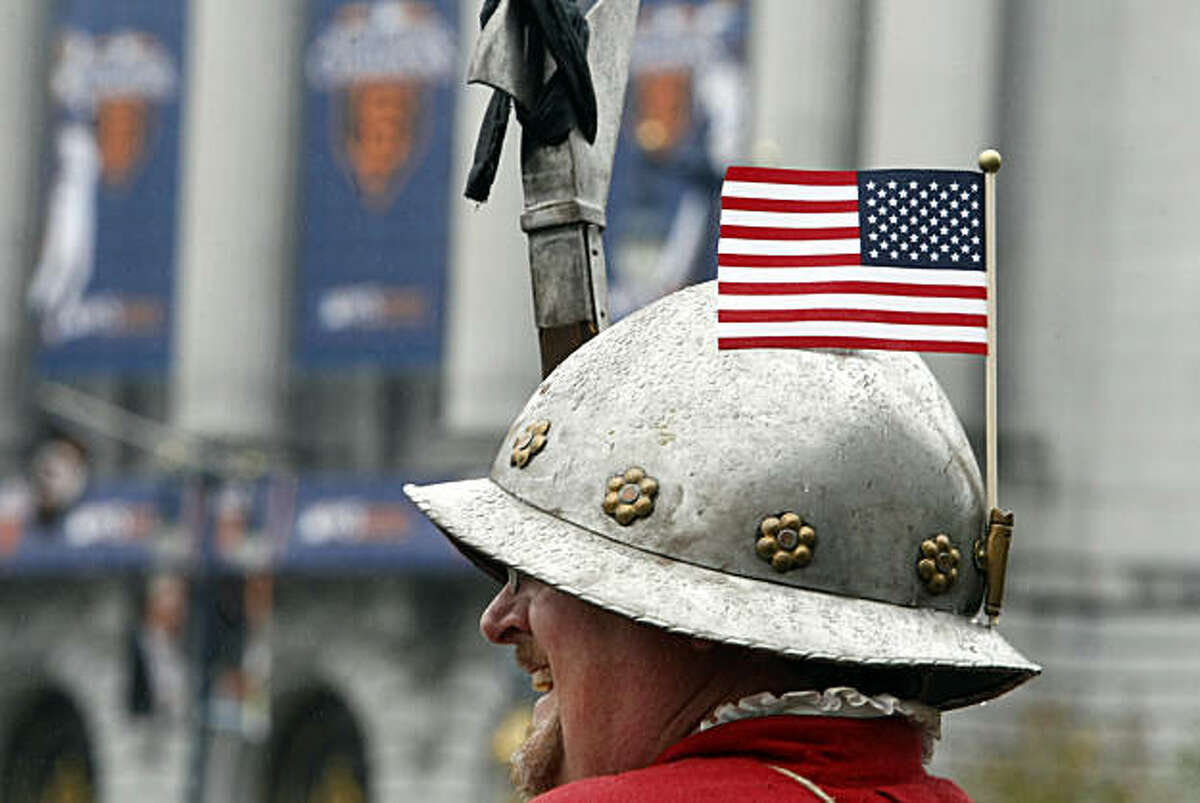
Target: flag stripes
845,342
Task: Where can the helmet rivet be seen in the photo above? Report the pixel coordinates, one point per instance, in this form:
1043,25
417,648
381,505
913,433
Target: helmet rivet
531,441
781,561
788,538
937,563
785,541
630,495
766,547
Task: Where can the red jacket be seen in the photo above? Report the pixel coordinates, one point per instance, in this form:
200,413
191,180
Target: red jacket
850,760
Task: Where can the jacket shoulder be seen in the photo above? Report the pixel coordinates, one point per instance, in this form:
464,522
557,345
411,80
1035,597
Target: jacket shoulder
730,779
737,780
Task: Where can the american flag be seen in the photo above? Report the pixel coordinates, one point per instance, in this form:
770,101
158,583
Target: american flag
867,259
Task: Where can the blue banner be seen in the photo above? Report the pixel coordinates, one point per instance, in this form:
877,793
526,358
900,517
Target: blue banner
329,525
363,524
115,525
381,79
687,115
102,287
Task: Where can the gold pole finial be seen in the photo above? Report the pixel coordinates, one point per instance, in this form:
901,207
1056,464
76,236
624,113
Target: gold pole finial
989,160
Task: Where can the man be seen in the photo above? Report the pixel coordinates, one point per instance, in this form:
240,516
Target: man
735,575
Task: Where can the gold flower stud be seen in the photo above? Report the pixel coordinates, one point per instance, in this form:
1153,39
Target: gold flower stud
937,565
630,496
785,541
529,443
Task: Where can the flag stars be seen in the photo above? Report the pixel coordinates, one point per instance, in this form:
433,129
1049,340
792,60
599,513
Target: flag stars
933,223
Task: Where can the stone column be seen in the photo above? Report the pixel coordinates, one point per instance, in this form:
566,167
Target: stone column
806,59
237,218
22,92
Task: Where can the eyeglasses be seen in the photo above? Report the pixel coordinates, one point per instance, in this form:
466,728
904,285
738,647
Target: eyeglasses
514,580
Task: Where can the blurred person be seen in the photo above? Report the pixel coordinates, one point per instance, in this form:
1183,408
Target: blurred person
158,664
58,476
734,575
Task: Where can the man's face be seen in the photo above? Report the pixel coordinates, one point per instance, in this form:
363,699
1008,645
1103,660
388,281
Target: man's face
593,667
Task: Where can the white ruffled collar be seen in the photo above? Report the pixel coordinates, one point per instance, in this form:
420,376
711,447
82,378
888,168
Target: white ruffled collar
839,701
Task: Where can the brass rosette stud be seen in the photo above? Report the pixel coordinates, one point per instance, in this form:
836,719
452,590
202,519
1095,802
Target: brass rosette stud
937,564
785,541
630,496
531,441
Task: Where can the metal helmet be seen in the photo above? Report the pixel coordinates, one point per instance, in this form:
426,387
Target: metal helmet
820,505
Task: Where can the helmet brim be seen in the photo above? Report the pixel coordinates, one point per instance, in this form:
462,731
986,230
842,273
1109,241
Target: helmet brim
962,661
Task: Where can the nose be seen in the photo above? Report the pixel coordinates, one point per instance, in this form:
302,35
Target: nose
505,617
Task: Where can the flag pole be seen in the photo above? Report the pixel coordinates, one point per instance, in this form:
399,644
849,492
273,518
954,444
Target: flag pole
989,162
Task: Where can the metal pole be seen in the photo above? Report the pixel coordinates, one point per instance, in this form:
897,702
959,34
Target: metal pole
203,602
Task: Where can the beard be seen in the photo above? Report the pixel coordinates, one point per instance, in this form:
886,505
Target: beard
537,763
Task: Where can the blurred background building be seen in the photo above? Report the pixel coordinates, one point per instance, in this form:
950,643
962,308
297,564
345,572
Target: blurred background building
244,301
